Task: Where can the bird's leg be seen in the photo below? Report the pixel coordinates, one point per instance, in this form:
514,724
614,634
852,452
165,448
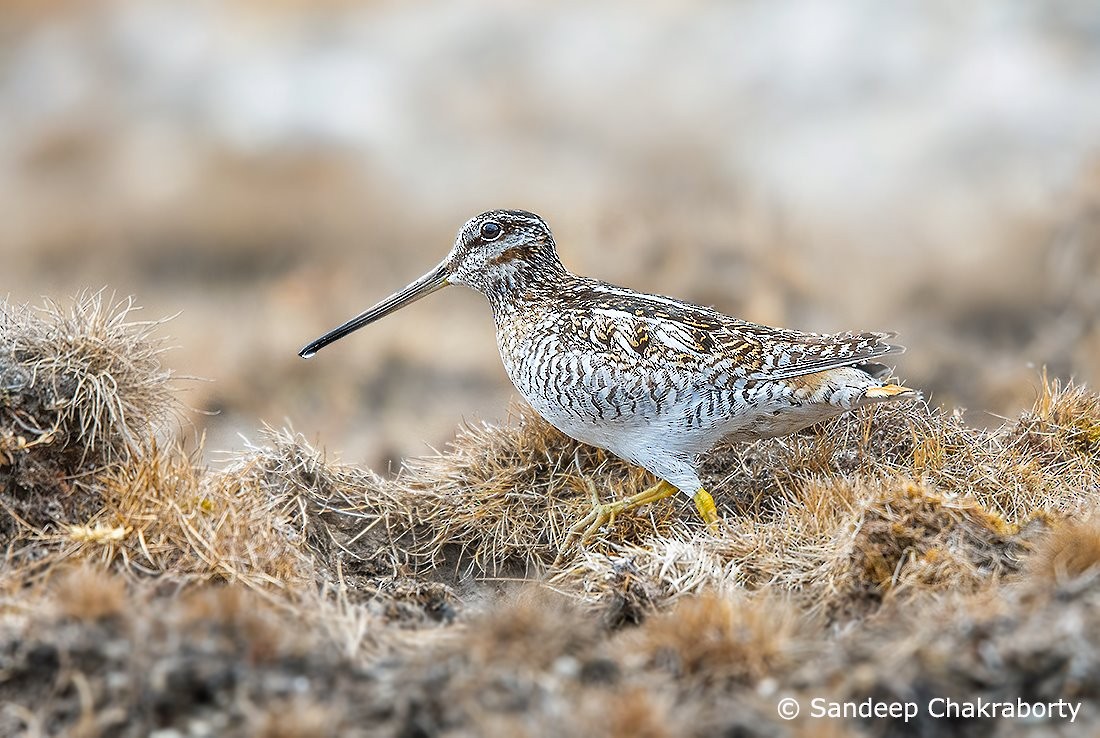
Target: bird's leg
602,514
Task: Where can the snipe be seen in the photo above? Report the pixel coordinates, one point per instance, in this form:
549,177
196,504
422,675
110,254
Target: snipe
655,380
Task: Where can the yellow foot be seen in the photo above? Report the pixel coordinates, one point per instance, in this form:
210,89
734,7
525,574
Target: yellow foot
603,514
704,503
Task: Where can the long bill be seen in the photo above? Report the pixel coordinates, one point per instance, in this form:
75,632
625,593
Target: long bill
429,283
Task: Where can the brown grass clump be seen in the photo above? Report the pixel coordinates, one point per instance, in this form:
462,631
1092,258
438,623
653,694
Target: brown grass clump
299,718
90,593
321,506
634,712
82,389
345,523
714,640
159,514
85,377
531,628
1070,551
908,536
1064,425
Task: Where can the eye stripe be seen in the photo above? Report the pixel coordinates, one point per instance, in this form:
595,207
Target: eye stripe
515,252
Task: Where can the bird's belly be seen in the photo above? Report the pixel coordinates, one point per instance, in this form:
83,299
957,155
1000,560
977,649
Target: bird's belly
617,407
776,419
635,436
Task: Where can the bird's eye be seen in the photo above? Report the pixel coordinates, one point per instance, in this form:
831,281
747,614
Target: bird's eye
490,231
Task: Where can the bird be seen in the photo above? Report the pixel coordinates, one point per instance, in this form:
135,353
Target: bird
655,380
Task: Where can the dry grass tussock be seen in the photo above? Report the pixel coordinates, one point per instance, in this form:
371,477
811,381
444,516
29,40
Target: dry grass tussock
89,468
896,551
84,377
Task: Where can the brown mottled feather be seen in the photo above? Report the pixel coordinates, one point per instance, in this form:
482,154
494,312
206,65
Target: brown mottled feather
710,335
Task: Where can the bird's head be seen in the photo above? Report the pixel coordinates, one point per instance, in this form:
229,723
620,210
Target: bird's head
500,253
502,250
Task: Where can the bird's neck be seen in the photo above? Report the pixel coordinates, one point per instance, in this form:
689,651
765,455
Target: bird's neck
520,283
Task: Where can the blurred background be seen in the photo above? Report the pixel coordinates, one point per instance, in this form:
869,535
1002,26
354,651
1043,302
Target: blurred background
269,169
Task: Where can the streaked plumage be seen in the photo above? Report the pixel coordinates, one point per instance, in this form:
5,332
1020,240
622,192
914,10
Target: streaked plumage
655,380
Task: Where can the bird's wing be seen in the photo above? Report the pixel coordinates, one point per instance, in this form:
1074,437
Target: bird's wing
793,354
677,332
